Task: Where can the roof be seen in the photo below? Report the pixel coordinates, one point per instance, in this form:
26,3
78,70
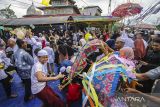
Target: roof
35,21
38,16
58,20
144,26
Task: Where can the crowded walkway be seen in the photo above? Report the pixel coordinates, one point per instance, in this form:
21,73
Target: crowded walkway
34,67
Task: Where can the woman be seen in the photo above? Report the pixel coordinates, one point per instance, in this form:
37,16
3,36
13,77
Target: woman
127,53
139,48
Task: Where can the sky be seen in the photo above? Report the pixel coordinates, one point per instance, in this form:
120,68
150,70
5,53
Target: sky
20,6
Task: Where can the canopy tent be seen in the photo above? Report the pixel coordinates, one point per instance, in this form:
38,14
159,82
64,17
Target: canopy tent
95,18
144,26
95,21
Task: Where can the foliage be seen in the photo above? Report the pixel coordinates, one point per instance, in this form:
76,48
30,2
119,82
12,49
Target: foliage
7,13
158,27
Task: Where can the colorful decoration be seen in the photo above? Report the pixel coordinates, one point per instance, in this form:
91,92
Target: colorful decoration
87,49
108,75
109,71
127,9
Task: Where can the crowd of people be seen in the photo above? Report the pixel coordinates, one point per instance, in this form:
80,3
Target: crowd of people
36,55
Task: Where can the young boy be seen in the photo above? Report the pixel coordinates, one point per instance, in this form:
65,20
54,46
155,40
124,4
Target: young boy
39,82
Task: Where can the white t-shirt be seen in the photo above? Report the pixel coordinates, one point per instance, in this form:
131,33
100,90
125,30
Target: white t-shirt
37,86
35,59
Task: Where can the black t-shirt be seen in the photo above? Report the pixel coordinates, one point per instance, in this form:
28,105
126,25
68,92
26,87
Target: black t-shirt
62,41
70,50
56,58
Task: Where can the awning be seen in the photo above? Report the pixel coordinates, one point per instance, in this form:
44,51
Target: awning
35,21
95,19
144,26
58,20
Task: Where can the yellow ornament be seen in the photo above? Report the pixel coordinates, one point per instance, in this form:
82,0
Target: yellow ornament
1,66
87,36
45,2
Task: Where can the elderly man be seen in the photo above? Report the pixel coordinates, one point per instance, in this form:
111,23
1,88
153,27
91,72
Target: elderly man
119,44
12,44
24,62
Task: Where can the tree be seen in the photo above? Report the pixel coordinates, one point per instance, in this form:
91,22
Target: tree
158,27
7,13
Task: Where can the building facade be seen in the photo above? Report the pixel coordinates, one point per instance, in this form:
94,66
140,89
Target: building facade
59,7
91,11
62,2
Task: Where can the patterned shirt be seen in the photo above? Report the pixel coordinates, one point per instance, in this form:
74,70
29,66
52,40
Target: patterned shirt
24,62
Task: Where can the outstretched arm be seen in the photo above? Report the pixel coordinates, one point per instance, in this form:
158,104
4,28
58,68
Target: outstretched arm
42,78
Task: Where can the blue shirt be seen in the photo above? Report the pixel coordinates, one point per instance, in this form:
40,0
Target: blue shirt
66,63
154,73
24,62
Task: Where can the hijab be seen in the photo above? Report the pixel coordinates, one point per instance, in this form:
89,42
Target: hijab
139,49
127,53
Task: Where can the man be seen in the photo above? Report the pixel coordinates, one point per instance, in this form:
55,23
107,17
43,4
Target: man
128,41
12,44
24,62
4,77
152,74
11,49
150,61
51,58
31,40
119,43
39,82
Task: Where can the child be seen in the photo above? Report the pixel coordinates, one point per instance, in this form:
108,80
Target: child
39,82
